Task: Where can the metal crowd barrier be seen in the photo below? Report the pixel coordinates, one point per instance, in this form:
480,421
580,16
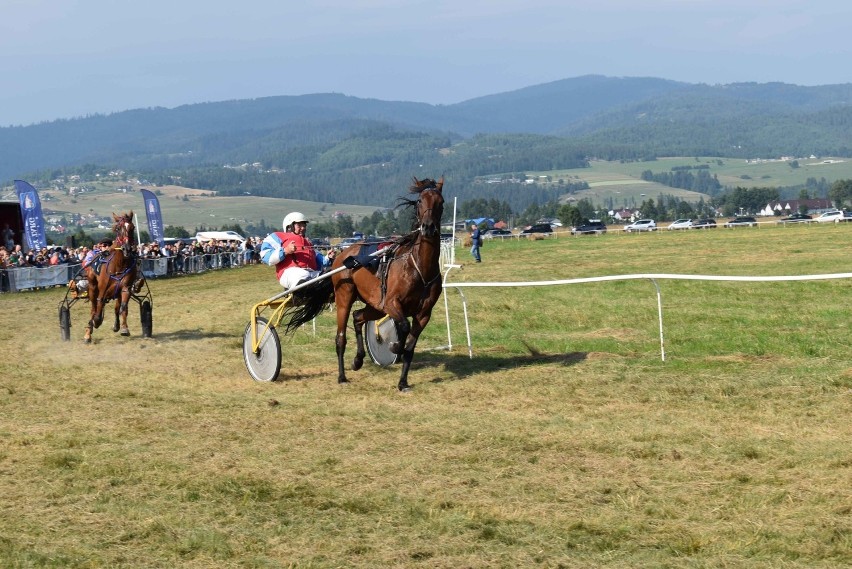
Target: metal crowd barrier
26,278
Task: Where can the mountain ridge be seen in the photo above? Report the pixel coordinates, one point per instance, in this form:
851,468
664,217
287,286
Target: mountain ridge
601,115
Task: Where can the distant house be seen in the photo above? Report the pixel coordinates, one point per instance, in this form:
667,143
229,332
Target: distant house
786,207
479,221
624,214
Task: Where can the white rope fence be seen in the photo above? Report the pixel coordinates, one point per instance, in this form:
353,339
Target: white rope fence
653,277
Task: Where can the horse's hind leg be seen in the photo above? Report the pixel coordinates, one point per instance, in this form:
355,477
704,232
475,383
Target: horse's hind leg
359,318
340,339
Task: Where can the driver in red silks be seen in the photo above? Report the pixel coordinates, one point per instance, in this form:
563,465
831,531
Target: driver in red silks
292,253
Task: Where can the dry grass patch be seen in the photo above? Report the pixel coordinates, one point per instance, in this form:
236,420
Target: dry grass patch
565,441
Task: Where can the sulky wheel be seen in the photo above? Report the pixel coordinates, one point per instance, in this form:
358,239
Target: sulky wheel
264,364
65,323
379,335
146,312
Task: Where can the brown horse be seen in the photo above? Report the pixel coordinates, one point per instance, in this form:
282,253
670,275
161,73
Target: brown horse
407,284
116,277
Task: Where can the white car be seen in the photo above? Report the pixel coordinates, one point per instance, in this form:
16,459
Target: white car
680,224
831,216
641,225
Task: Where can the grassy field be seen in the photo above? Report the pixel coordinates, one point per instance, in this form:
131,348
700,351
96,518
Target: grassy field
622,182
564,442
200,208
616,181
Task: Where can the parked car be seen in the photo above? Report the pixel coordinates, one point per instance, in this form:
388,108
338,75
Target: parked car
497,234
347,242
847,216
680,224
797,218
539,228
743,220
831,216
641,225
593,227
704,223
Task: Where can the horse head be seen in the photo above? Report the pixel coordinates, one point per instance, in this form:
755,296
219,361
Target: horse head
429,206
123,228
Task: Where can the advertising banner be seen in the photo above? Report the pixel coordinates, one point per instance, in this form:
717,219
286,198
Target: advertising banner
155,217
31,215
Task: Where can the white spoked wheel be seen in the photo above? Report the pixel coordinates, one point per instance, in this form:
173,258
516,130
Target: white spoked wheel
378,340
265,364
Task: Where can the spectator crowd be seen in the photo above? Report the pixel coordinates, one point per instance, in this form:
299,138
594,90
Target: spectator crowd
177,256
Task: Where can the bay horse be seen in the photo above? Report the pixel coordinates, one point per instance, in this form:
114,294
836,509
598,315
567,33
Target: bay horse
406,284
117,275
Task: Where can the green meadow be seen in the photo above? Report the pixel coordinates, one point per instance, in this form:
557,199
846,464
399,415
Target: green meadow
565,441
190,208
622,181
616,181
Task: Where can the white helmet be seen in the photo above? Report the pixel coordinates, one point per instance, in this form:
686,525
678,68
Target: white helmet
292,218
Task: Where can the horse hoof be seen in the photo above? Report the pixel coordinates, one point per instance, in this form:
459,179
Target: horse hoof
125,332
357,363
87,340
394,347
342,381
405,389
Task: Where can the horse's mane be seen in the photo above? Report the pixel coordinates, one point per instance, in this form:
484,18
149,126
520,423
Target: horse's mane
407,240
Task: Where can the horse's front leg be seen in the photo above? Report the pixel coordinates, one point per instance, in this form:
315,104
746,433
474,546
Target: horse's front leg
418,323
403,329
121,312
90,325
95,318
408,353
115,324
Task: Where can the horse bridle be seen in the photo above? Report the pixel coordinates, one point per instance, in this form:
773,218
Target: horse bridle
428,210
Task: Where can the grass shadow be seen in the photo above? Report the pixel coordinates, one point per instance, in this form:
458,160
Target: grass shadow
462,366
190,335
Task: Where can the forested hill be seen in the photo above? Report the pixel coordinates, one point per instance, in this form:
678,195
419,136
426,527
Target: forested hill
312,145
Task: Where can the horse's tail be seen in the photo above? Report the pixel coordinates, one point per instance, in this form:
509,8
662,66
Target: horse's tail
310,301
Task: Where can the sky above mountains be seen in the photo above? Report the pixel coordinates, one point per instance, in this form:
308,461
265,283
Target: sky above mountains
72,58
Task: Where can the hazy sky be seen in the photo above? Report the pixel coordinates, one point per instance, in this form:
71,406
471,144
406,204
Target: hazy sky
70,58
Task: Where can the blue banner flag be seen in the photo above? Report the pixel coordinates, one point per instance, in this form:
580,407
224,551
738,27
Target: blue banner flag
155,218
31,215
